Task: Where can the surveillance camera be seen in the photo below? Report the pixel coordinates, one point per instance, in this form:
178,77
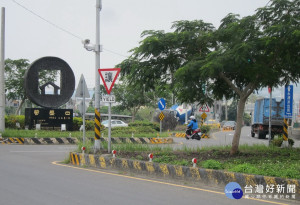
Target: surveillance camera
86,41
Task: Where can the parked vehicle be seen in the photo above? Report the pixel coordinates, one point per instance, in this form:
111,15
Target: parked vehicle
222,123
229,125
114,123
260,118
213,123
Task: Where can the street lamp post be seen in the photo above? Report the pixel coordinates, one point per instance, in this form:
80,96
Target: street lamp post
2,82
97,49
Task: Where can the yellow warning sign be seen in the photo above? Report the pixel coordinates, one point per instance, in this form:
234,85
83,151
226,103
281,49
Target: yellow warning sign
161,116
204,115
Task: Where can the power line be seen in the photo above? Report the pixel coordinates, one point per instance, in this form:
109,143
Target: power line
59,27
47,21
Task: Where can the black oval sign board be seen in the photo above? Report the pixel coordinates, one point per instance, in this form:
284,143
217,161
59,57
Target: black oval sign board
60,93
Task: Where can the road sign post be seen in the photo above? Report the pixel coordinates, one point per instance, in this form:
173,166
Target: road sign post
161,105
203,116
82,92
109,128
109,77
288,111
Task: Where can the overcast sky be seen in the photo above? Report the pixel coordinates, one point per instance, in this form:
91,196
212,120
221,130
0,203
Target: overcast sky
121,23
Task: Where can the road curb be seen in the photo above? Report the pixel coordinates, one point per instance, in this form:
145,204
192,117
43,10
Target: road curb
137,140
182,135
197,175
38,141
73,140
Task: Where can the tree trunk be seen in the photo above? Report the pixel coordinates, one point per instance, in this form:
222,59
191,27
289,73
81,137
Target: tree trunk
133,113
239,124
20,106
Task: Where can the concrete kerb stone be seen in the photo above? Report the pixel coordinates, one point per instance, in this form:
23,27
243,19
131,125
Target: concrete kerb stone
194,175
73,140
182,135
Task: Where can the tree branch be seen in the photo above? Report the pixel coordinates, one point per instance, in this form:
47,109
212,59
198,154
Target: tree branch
238,91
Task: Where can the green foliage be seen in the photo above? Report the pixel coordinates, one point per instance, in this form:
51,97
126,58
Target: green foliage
277,141
212,164
168,158
244,168
11,120
120,131
205,129
14,79
138,128
247,119
89,124
144,124
77,122
89,146
291,142
145,114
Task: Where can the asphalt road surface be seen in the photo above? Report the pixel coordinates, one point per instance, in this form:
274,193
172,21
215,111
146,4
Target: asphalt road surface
223,138
29,176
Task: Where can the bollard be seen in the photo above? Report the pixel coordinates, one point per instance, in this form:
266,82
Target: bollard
194,160
150,157
70,134
83,149
35,135
114,152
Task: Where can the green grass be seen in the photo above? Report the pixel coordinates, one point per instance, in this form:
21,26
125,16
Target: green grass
256,159
42,133
140,148
77,134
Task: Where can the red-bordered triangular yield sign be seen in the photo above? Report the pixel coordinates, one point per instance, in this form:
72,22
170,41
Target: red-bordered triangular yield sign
109,77
204,108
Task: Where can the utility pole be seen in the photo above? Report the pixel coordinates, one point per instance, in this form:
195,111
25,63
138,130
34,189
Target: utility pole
97,49
270,115
97,145
2,79
226,111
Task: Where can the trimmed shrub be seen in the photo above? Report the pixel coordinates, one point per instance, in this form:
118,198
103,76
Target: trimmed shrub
205,129
144,124
11,120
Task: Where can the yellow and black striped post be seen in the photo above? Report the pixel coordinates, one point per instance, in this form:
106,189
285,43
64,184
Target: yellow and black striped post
201,121
285,129
97,124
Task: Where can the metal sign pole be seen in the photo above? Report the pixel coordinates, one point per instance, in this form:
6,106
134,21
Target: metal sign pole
83,109
109,128
160,127
270,117
2,82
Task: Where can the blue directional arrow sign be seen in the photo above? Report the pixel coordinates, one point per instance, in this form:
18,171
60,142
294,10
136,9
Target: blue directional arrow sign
288,101
162,104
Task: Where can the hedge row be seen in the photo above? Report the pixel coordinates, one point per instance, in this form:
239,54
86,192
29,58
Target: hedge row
145,125
138,126
12,120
